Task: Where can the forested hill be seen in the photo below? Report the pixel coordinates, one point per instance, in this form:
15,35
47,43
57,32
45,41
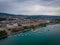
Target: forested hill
44,16
27,16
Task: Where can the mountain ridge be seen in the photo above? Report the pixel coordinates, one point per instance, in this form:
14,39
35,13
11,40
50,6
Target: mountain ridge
28,16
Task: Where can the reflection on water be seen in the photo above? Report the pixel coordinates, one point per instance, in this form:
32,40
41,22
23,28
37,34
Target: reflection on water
49,35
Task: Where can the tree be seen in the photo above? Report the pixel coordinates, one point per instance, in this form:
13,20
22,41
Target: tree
3,34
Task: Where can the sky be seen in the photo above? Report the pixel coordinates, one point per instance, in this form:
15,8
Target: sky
30,7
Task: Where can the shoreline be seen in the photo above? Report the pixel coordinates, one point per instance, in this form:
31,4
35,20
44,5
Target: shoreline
23,31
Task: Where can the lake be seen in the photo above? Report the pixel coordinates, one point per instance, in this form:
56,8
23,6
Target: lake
49,35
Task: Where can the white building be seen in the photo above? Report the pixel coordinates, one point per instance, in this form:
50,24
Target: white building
1,29
12,25
25,24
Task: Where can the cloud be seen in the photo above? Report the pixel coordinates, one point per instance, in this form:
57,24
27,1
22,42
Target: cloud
31,7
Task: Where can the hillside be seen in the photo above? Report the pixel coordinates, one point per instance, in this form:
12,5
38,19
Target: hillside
26,16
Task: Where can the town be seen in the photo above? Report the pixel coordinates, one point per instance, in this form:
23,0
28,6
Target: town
12,25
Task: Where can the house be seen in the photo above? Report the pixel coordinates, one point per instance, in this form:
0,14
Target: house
12,25
1,29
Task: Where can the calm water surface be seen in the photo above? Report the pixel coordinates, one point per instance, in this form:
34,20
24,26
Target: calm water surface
49,35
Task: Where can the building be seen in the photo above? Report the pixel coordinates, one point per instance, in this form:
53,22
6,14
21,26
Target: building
12,25
1,29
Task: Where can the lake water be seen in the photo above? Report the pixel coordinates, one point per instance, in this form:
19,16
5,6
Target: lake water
49,35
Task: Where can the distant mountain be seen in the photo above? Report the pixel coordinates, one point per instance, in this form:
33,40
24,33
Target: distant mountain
26,16
11,15
44,16
6,14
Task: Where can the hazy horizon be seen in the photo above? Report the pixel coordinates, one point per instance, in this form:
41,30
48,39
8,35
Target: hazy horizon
29,15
